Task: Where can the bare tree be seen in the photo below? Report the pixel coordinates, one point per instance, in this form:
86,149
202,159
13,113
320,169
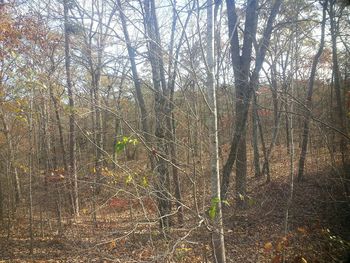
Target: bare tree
245,81
216,209
135,74
337,80
308,104
72,141
31,171
155,56
11,155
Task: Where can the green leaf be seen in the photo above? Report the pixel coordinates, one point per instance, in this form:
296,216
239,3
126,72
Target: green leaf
13,53
213,207
134,141
212,212
215,200
251,201
226,202
128,179
144,181
119,146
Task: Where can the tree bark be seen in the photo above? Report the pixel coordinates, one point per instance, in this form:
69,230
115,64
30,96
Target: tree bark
11,154
161,112
136,79
158,161
72,140
337,85
60,128
255,139
218,230
308,104
244,87
31,168
172,71
241,68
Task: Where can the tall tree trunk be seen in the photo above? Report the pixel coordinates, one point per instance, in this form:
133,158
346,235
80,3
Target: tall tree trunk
31,168
175,173
161,111
277,111
136,79
241,66
218,230
263,146
72,141
60,128
95,71
157,160
117,119
244,87
171,128
11,154
98,129
308,104
172,71
255,138
337,85
51,162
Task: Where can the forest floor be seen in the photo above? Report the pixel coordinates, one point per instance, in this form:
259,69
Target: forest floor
317,229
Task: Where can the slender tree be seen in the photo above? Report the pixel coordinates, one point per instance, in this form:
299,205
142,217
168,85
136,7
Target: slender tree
216,209
256,160
337,80
72,141
31,171
308,104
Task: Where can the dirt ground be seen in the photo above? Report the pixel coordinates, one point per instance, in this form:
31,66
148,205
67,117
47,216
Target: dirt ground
312,226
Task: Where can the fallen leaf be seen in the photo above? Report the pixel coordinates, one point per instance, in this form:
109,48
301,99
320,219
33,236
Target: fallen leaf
268,246
302,230
112,245
276,259
299,259
279,246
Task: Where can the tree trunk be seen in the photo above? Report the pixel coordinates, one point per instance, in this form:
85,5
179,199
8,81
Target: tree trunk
255,139
72,141
308,104
276,118
264,150
11,154
31,168
60,128
117,119
98,129
172,71
136,79
162,112
176,178
158,161
337,85
218,230
241,66
244,87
